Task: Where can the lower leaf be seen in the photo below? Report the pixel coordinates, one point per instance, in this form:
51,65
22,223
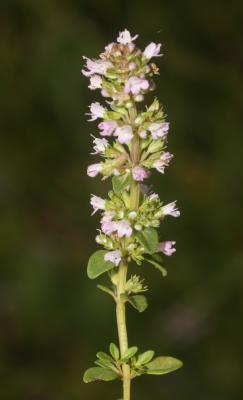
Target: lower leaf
163,365
99,374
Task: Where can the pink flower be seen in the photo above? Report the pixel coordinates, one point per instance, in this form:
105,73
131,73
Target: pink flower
100,145
142,134
109,47
135,85
107,216
96,67
94,169
97,203
163,162
139,173
96,111
108,227
152,50
132,65
123,228
125,37
159,130
167,247
124,134
107,127
104,93
95,82
113,256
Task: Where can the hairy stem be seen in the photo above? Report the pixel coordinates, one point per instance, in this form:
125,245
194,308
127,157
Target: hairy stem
123,267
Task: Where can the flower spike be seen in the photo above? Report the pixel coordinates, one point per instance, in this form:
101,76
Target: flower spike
133,142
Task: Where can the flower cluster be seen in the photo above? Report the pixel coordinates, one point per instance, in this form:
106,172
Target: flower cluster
125,74
120,222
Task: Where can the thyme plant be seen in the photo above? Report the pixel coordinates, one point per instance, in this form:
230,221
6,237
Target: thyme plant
132,142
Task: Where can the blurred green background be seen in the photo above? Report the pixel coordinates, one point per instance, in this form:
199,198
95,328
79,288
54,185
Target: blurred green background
53,319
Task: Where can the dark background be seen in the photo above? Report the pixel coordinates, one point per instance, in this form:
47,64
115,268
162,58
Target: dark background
53,319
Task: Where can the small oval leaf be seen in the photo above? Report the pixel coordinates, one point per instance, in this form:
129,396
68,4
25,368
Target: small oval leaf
99,374
97,264
103,356
145,357
129,353
114,351
163,365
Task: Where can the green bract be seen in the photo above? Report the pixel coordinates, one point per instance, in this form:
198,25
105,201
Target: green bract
121,182
149,239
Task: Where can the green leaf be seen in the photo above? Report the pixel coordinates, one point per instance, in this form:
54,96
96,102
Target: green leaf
120,182
114,351
97,265
99,374
145,357
103,356
105,289
139,302
163,365
158,266
129,353
104,364
148,239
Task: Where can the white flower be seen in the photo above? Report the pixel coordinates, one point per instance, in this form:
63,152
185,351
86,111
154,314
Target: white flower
152,50
124,134
100,145
113,256
162,162
97,203
135,85
125,37
170,209
123,228
132,214
94,169
153,196
95,82
96,67
96,111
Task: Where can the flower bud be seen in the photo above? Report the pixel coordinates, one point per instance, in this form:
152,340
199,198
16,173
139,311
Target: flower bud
138,227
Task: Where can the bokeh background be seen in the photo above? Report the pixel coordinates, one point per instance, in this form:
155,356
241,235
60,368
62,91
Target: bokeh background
52,318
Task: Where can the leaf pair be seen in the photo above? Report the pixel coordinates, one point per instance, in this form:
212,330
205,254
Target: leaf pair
145,364
158,366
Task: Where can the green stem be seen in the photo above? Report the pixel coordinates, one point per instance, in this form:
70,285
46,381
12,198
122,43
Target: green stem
122,329
123,267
